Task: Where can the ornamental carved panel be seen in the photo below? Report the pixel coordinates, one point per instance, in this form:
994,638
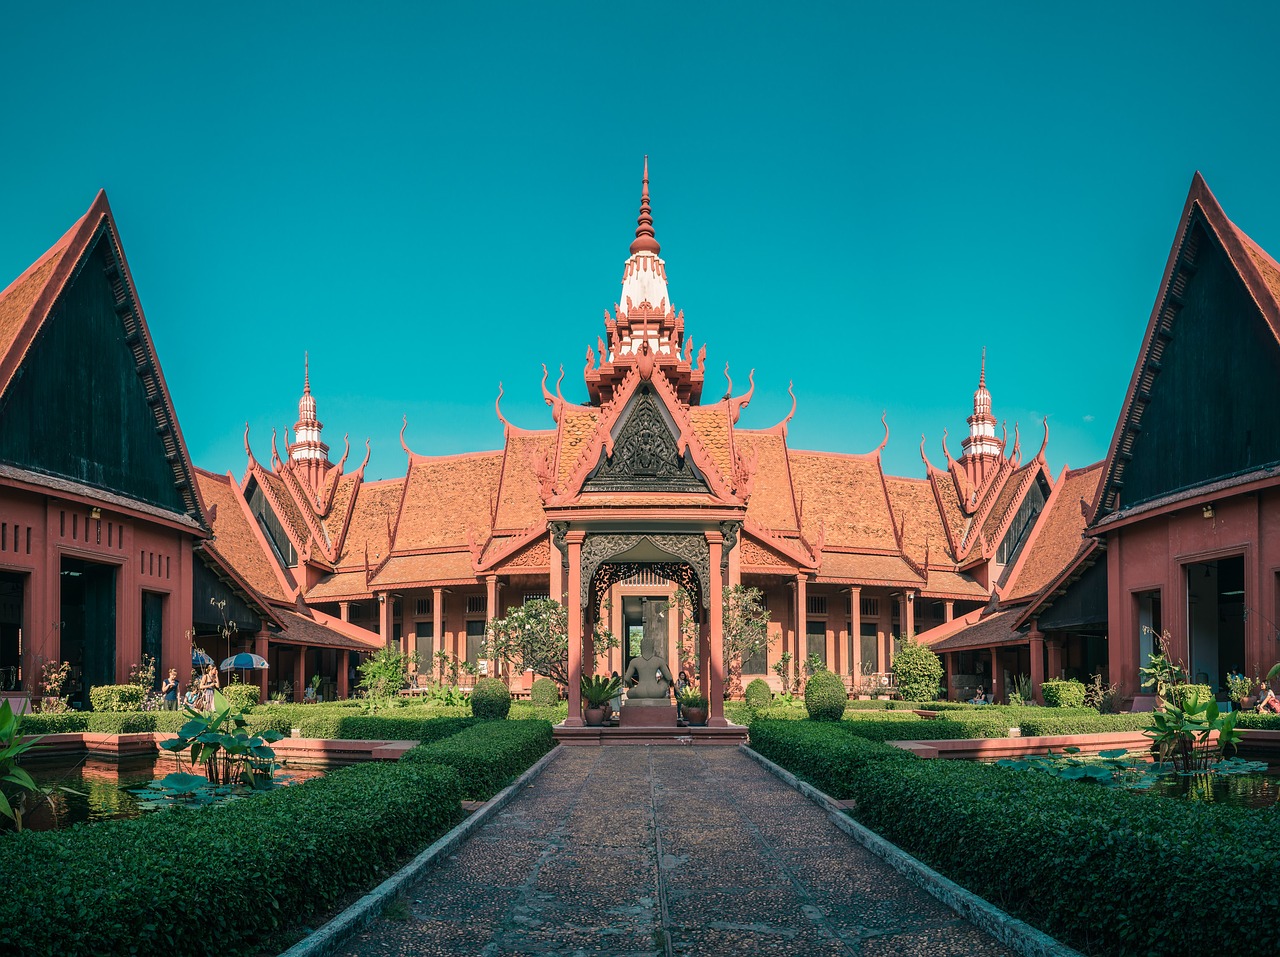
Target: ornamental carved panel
645,456
753,553
692,549
536,555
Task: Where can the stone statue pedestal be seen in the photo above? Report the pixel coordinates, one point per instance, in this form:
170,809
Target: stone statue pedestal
655,713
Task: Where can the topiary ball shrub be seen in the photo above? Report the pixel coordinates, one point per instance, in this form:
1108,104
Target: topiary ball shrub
545,693
490,701
1063,694
242,696
758,695
116,698
825,697
918,672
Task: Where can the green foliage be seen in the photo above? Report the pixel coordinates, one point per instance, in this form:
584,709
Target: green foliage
782,668
825,696
758,695
1035,722
12,747
918,671
1163,671
691,697
490,700
242,696
1063,694
876,704
488,756
117,697
1183,694
535,637
1239,686
896,726
598,690
965,819
1195,735
261,865
746,632
528,711
544,692
1020,692
220,741
383,674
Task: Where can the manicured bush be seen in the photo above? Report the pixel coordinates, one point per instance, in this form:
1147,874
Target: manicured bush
1062,694
918,671
1247,719
874,704
758,695
116,697
544,692
981,723
825,696
68,722
738,712
526,711
242,696
910,727
1093,865
217,881
1045,721
491,700
489,755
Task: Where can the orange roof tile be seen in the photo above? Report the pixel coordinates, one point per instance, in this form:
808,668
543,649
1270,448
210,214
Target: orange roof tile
376,506
235,539
1059,534
942,583
577,426
284,506
341,586
17,300
340,506
443,567
317,628
519,494
448,500
869,569
771,505
916,511
711,425
978,629
845,495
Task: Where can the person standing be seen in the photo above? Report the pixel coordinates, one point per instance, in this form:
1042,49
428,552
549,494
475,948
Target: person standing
169,690
209,685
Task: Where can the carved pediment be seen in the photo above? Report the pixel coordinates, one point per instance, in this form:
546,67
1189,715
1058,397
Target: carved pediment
645,455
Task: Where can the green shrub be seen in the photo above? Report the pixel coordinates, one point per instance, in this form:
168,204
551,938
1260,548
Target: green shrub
874,704
242,696
117,697
910,727
826,755
738,712
544,692
489,755
527,711
68,722
491,700
1247,719
1181,694
918,671
758,695
1046,721
824,696
131,887
1062,694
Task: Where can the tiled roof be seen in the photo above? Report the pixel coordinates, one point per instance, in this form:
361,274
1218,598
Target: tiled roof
771,504
711,423
376,506
343,585
577,426
1268,268
951,584
426,569
317,628
916,511
519,495
17,300
235,539
340,506
448,500
1009,498
284,506
845,495
978,629
1058,535
640,499
952,510
869,569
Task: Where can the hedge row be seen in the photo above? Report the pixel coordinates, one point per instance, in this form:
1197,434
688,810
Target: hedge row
216,881
1110,872
488,755
1041,721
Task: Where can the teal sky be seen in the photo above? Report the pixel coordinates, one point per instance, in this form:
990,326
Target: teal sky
433,198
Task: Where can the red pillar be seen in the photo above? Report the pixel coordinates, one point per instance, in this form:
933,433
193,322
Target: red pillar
909,626
491,612
299,671
574,598
802,630
855,634
437,620
997,677
385,607
1053,646
260,649
344,682
715,601
949,610
1037,662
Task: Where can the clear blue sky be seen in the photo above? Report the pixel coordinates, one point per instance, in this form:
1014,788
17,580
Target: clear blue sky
435,198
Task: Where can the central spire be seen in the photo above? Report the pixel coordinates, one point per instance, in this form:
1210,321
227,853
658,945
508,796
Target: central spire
645,242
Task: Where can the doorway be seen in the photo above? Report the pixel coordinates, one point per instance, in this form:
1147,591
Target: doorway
11,589
641,616
88,634
1215,618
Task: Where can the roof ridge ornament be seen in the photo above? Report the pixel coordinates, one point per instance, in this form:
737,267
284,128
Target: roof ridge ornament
404,420
247,450
645,240
884,420
1045,442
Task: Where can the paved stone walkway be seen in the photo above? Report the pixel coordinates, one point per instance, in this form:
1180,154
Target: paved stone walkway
666,852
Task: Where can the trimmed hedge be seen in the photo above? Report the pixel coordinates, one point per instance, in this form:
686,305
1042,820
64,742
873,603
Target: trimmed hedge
1042,721
491,700
1062,694
758,695
242,696
1095,867
894,727
489,755
877,704
825,696
1247,719
216,881
544,692
116,697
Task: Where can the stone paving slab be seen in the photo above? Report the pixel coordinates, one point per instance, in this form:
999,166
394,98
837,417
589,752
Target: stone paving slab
666,852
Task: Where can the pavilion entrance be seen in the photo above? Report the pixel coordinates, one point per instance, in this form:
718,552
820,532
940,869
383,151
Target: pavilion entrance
1215,619
11,589
88,633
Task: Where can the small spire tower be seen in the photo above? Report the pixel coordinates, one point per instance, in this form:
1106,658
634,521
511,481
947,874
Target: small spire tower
982,450
307,453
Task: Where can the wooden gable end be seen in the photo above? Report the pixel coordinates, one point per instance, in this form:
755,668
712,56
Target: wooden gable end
78,407
645,456
1208,399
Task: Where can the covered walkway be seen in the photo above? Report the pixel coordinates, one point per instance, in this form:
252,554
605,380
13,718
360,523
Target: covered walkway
666,851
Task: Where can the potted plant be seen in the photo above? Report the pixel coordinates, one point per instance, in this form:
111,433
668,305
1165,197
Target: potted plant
694,705
597,690
1240,688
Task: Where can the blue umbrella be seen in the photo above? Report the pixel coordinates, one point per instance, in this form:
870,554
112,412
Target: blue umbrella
199,658
244,660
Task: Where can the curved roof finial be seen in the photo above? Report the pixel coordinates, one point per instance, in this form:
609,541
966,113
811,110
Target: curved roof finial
404,425
275,453
792,392
547,397
946,451
368,450
1045,442
1004,435
558,381
497,407
248,451
728,392
884,420
1017,445
346,450
645,241
928,466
